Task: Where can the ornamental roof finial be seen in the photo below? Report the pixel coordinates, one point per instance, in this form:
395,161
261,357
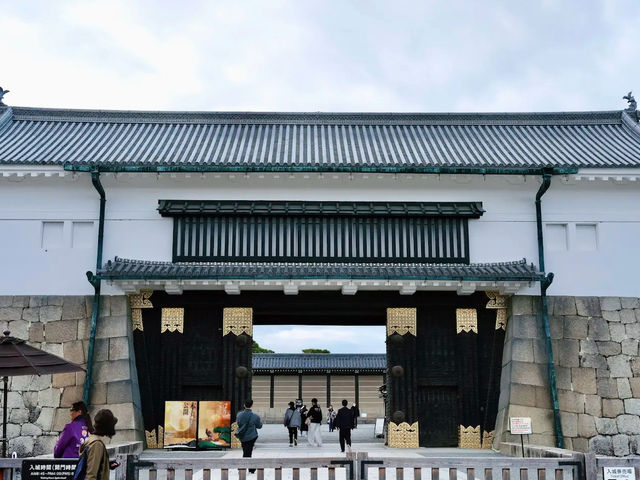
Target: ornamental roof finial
632,102
2,94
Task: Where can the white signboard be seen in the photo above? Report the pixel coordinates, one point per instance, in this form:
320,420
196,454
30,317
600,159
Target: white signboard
619,473
520,425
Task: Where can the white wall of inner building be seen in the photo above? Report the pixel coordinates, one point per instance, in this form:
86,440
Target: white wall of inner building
48,226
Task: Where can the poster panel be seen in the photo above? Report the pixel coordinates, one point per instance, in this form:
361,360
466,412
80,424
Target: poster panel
180,424
214,424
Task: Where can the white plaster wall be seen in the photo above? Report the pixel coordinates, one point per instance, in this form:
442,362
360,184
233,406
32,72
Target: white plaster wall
134,229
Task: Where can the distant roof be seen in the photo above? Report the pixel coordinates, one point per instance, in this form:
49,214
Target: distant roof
383,142
319,361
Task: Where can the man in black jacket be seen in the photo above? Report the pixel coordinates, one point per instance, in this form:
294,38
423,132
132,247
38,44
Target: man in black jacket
344,423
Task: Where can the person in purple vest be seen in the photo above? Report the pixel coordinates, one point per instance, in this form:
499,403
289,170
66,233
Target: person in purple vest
74,433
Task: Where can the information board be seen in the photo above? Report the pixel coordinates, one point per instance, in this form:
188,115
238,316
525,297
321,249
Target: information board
619,473
520,425
48,469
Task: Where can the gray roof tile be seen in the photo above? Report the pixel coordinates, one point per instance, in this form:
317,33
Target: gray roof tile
318,141
319,361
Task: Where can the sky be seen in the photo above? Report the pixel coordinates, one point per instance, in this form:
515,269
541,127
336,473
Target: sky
328,55
323,55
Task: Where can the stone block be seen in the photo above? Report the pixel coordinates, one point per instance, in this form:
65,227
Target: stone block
14,400
575,327
634,383
569,422
36,332
619,366
541,419
633,329
37,301
624,388
521,349
39,383
588,306
635,366
566,353
50,313
632,406
44,444
61,331
64,379
74,351
527,373
21,301
610,303
19,416
612,316
603,372
606,426
100,349
522,305
22,446
581,445
612,407
556,327
45,419
571,401
70,395
49,397
80,376
19,328
564,306
33,314
630,347
588,346
563,378
586,426
524,326
119,305
121,392
607,388
112,371
55,300
543,398
618,332
539,351
20,383
124,412
629,302
31,429
119,349
110,327
60,419
10,313
74,308
84,329
13,431
593,405
634,444
620,445
98,394
627,316
609,348
5,301
599,329
30,399
583,380
628,424
55,348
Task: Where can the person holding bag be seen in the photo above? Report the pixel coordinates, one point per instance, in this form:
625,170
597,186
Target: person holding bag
292,420
96,460
314,419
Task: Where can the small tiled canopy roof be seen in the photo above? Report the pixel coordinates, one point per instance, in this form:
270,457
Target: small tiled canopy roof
378,142
364,363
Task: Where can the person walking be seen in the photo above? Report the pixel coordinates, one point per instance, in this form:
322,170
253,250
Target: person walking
344,422
314,419
331,416
98,464
75,433
292,420
247,432
304,427
356,414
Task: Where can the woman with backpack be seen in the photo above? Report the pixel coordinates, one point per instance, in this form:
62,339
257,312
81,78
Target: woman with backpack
292,420
97,459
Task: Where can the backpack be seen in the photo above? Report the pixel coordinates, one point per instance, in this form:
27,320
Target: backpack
81,468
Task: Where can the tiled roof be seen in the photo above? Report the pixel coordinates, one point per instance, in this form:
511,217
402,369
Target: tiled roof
319,361
318,141
124,269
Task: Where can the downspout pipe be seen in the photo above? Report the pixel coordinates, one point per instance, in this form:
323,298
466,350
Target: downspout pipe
544,285
95,281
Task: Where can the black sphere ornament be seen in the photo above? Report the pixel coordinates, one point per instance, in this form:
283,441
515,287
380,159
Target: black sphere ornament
396,339
398,417
241,371
243,339
397,371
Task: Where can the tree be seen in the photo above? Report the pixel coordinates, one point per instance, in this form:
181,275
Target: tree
258,349
315,350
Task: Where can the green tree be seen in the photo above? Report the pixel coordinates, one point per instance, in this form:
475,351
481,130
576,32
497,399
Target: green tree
315,350
258,349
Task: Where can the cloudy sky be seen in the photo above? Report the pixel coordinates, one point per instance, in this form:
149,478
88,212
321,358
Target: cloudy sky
323,55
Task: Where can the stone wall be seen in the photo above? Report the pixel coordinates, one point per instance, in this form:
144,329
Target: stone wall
39,406
595,346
